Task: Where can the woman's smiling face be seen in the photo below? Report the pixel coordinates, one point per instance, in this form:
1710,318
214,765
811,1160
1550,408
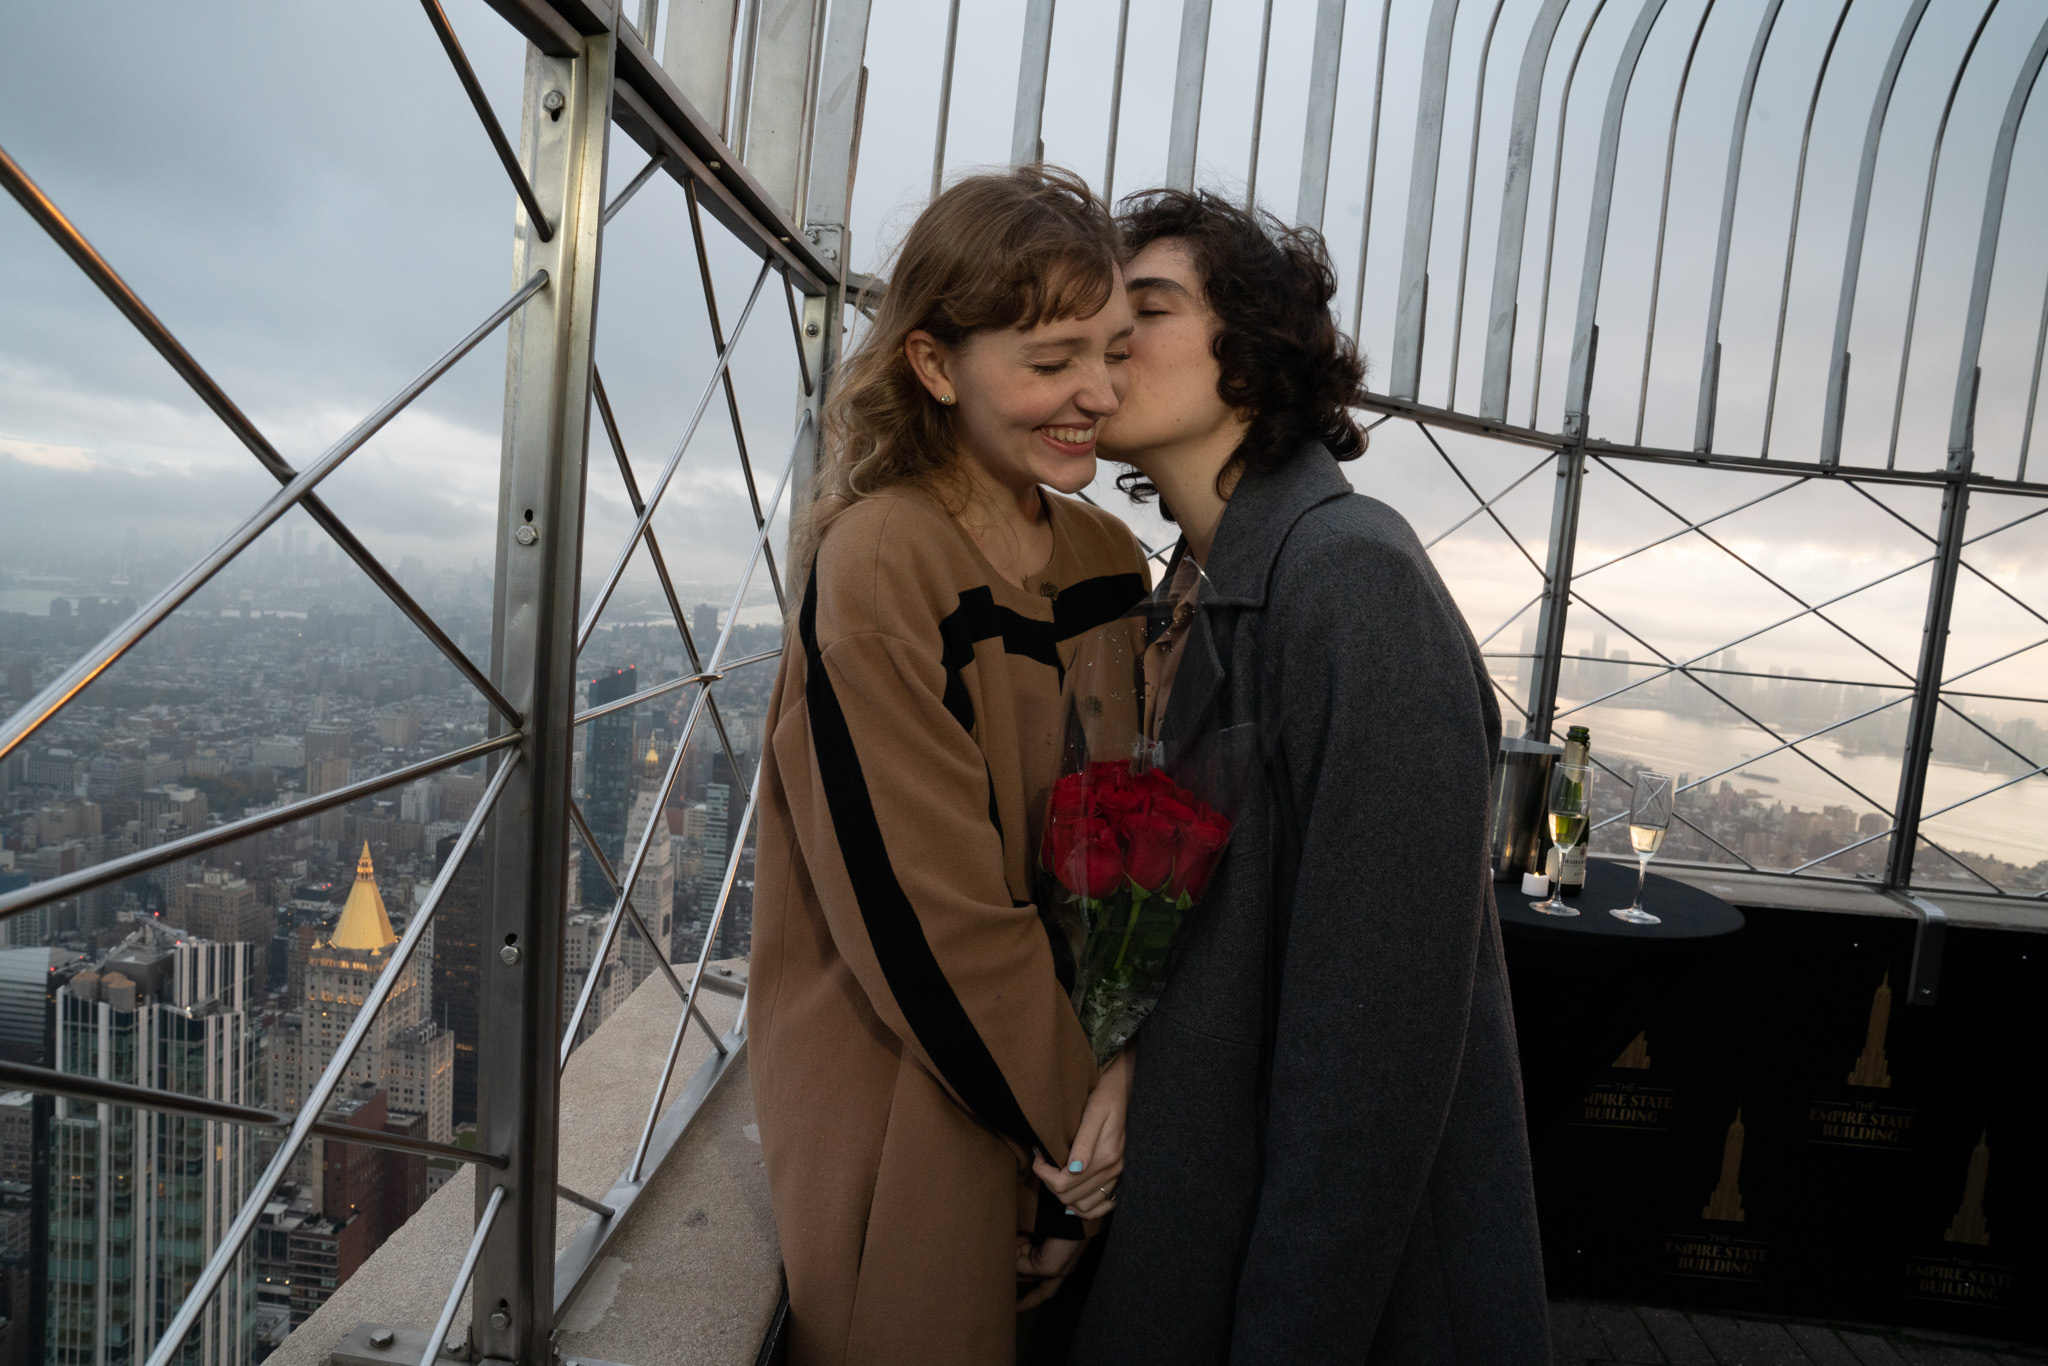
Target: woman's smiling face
1029,402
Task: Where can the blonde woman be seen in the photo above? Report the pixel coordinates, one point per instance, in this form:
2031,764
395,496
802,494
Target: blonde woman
911,1045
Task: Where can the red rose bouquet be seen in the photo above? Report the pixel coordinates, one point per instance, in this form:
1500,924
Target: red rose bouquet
1133,829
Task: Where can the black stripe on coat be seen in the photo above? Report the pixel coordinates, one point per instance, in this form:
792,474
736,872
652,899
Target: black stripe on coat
1080,607
942,1025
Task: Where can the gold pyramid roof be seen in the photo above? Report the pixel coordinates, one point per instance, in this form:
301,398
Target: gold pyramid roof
363,923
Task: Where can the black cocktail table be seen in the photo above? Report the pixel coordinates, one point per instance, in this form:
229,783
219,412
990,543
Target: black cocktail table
1690,916
1582,983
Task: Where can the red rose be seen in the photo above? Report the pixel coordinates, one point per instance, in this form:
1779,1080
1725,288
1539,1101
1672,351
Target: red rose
1099,861
1119,804
1109,773
1154,784
1199,847
1173,810
1056,850
1149,845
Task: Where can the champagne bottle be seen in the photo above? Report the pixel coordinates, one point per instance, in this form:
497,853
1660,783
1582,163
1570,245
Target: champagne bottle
1571,876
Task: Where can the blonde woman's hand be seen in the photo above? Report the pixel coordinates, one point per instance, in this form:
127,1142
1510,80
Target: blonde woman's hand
1042,1268
1095,1162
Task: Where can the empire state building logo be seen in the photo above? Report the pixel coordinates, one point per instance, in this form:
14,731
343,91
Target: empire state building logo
1968,1226
1871,1070
1726,1203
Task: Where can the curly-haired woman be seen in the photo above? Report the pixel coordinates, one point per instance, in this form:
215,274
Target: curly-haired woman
911,1045
1326,1153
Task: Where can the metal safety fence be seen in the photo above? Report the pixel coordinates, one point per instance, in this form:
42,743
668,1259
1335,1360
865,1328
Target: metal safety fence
759,113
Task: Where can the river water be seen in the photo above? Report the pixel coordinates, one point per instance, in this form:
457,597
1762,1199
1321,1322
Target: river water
2011,824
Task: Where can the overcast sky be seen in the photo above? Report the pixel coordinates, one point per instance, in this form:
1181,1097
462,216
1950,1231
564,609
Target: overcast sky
302,193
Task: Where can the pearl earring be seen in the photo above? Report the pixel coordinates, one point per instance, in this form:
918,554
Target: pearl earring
946,399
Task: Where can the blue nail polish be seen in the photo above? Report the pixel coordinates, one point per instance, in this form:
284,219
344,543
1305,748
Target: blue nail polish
1075,1165
1071,1210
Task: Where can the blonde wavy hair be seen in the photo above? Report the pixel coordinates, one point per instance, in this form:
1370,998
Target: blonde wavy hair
1002,249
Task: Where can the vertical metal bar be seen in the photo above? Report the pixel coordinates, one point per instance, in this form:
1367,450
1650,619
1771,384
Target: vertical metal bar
1920,251
1514,211
780,97
1116,101
1324,69
1471,185
1963,414
2034,388
743,80
1251,176
1564,108
1579,386
945,96
1710,361
1941,593
1792,234
533,657
1185,131
1664,218
697,54
1405,374
1372,165
1032,65
1557,590
835,136
468,1267
1836,395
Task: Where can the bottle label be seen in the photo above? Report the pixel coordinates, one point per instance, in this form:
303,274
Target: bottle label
1572,877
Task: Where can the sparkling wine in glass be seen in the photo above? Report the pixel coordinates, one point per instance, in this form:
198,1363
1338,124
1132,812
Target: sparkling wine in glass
1649,820
1570,786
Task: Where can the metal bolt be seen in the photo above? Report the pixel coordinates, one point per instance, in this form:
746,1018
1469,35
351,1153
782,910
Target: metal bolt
509,955
712,164
454,1346
553,101
810,329
382,1338
501,1320
526,535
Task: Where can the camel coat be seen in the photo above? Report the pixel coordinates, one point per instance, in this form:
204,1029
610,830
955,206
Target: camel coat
910,1043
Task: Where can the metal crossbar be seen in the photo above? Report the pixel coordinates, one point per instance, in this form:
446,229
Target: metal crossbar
172,1339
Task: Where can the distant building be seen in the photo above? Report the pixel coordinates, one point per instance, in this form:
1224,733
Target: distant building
404,1048
226,910
139,1199
461,923
608,773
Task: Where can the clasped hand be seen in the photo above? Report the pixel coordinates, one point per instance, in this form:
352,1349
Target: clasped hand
1086,1185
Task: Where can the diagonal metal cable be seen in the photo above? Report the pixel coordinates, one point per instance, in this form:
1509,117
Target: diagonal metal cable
172,1342
1484,505
668,588
489,118
796,330
96,268
732,402
675,763
97,660
213,837
604,866
668,472
1701,831
732,868
1993,736
1686,666
619,201
1689,525
1487,505
1739,559
1728,703
653,691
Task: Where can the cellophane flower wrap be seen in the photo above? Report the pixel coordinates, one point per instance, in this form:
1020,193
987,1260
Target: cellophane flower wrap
1142,811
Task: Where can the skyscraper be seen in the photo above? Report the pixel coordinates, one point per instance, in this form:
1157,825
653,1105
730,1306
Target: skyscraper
405,1051
139,1199
459,927
607,781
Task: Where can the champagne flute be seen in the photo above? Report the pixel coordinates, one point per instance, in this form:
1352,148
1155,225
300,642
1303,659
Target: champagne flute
1649,820
1569,787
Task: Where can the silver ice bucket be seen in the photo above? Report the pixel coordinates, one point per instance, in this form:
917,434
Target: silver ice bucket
1521,782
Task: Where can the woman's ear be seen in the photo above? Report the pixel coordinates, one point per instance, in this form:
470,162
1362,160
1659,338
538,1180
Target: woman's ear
931,363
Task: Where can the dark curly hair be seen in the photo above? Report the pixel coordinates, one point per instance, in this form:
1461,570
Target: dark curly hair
1281,354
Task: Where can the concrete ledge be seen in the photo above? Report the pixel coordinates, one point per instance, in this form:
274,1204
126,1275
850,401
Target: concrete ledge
1968,910
696,1272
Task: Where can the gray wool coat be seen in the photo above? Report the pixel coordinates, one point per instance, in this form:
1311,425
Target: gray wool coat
1326,1156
